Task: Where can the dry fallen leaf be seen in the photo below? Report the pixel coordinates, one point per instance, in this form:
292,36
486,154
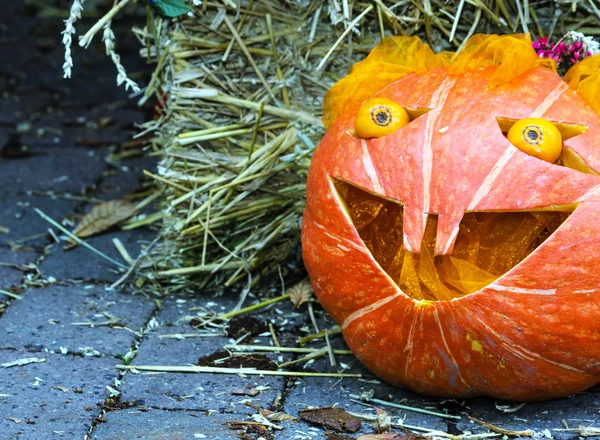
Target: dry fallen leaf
300,293
332,418
277,416
104,216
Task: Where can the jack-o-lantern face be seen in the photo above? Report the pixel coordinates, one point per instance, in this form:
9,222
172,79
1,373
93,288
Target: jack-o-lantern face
459,248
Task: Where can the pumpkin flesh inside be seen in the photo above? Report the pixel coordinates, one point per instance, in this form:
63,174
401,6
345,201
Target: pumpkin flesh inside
488,244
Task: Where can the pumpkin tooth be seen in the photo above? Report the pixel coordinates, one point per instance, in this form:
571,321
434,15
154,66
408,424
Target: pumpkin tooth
447,231
414,227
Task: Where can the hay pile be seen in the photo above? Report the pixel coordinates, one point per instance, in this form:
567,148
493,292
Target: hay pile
241,84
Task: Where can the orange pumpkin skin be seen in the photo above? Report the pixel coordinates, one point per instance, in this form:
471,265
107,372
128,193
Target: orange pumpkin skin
534,333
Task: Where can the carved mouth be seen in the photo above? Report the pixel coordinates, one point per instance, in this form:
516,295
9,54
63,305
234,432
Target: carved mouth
488,245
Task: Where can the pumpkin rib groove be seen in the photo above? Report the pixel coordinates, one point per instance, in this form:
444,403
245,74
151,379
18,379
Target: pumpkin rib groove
408,349
447,347
522,352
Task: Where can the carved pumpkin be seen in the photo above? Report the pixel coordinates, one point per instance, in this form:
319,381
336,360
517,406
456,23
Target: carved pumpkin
460,259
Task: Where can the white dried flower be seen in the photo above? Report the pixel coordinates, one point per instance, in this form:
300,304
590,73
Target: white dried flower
67,40
590,45
108,38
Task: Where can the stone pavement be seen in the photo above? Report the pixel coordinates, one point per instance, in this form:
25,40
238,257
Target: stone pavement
60,342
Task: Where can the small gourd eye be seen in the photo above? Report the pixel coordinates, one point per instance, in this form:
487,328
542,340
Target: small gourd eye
378,117
537,137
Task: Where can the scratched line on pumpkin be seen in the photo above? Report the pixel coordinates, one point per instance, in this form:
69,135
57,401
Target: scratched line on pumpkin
409,343
550,99
595,191
350,243
437,102
522,290
368,309
489,180
370,168
522,352
437,319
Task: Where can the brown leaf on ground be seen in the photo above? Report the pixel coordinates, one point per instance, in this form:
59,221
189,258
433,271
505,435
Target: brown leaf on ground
277,416
332,418
391,436
104,216
300,293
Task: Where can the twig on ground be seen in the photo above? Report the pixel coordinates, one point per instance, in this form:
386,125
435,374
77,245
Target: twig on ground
222,370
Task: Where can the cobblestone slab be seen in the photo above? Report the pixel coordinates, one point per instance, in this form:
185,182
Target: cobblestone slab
69,170
55,129
44,320
302,393
15,109
126,178
193,391
176,311
24,224
544,418
11,266
55,399
80,263
165,425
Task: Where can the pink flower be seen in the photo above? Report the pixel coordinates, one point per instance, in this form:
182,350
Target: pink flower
541,43
567,51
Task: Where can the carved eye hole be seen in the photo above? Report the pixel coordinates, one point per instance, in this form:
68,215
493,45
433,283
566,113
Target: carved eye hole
378,117
537,137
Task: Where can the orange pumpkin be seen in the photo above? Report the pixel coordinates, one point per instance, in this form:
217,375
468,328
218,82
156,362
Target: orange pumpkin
458,262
